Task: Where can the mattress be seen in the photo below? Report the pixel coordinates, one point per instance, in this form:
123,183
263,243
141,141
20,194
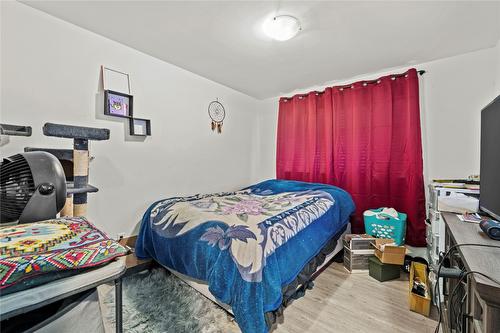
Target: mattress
30,299
202,287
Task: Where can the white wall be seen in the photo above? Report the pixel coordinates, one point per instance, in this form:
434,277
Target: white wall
498,68
50,73
453,92
266,139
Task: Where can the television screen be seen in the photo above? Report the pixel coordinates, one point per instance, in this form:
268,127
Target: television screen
490,159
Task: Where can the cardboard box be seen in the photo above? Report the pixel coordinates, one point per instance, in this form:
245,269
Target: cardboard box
389,254
419,304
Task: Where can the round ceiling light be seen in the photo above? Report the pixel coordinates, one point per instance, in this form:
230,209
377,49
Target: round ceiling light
282,27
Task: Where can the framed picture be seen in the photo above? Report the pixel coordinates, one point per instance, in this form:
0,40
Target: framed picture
140,127
118,104
115,80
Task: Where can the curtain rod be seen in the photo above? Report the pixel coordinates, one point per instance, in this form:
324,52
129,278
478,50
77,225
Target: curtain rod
347,86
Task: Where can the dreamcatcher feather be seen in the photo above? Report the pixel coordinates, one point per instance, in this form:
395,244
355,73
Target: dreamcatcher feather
217,114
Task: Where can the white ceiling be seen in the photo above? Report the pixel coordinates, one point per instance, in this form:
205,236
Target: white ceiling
223,41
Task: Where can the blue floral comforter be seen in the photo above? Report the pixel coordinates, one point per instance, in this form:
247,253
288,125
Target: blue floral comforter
246,244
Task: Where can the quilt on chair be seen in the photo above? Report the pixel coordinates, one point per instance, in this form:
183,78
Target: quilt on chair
30,250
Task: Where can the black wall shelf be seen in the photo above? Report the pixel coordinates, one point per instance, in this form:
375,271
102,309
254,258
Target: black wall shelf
137,126
16,130
145,125
109,95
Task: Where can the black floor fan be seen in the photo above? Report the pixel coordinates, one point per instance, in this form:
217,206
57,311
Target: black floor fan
32,187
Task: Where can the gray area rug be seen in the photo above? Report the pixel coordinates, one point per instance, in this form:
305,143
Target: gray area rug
156,301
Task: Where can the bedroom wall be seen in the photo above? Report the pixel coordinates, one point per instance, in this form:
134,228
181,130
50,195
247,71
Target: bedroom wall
498,68
453,92
50,73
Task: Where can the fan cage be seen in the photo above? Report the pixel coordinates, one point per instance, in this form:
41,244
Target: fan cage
16,187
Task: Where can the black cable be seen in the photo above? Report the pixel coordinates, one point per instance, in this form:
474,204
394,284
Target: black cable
461,306
436,287
452,295
439,271
438,293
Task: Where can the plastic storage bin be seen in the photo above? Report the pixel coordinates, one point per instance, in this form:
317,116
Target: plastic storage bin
383,225
383,272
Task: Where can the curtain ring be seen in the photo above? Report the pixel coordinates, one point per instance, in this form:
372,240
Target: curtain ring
341,89
365,84
378,81
393,78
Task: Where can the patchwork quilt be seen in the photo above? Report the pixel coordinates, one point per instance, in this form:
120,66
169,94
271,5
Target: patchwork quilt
33,249
246,244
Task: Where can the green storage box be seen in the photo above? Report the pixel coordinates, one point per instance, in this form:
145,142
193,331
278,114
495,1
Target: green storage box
383,272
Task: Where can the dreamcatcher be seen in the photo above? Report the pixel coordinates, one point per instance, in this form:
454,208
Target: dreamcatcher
217,113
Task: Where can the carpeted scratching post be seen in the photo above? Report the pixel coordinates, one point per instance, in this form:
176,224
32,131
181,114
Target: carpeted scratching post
76,203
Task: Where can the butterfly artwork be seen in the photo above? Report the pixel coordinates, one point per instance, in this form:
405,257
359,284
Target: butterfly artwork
118,104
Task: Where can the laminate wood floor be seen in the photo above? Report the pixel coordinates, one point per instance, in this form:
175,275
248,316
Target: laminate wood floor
350,303
343,302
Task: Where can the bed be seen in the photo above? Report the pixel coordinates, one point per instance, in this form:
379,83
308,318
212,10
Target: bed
252,247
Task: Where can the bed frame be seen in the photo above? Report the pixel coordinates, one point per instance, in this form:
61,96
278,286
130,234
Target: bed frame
202,287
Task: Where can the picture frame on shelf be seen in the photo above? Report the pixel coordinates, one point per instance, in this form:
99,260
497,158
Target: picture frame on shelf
118,104
115,80
140,127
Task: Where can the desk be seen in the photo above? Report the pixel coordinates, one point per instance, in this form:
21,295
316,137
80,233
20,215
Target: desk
481,306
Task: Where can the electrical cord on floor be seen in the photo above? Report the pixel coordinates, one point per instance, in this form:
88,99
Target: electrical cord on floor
436,287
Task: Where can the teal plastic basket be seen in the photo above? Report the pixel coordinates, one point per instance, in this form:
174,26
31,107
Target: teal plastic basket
385,226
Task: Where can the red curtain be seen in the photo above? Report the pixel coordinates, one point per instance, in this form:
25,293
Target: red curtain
364,138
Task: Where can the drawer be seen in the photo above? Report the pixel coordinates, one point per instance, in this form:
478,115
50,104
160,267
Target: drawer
435,221
356,262
428,232
434,215
433,196
433,248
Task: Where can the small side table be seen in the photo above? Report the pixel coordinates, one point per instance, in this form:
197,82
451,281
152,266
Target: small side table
27,300
133,264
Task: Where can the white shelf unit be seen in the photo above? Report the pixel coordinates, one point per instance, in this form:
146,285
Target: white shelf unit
435,228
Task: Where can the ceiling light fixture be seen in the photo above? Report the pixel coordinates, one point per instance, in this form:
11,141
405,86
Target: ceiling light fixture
282,27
